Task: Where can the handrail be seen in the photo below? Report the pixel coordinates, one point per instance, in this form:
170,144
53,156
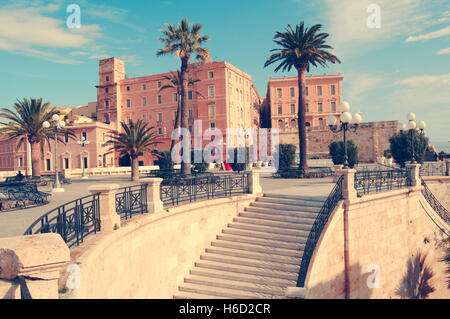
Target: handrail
131,200
24,291
434,203
366,182
317,228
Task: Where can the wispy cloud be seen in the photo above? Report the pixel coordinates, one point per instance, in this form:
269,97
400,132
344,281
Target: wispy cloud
430,35
436,81
444,51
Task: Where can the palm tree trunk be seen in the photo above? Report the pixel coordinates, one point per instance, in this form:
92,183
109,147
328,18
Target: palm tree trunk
36,162
185,166
134,169
171,163
303,165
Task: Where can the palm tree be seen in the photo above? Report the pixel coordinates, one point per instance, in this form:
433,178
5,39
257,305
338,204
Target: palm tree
184,41
300,48
175,83
136,140
25,123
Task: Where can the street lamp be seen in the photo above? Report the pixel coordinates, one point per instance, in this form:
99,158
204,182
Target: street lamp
83,142
411,127
347,121
57,125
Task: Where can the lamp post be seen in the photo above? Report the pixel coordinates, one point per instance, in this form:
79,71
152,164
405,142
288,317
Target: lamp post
57,125
411,127
83,142
347,121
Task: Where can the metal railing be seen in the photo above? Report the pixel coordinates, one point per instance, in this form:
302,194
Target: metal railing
24,291
73,220
367,182
131,200
433,169
434,203
189,189
317,228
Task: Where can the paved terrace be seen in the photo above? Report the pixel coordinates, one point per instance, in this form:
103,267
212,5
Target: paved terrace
14,223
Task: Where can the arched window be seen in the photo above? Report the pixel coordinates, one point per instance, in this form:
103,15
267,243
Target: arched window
293,123
320,121
280,124
307,124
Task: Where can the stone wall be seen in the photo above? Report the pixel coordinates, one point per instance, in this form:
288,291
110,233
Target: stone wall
372,139
384,231
149,256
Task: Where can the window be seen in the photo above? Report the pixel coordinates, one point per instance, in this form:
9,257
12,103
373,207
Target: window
280,109
320,107
160,130
292,108
144,87
160,117
144,118
319,90
144,101
174,115
293,123
190,129
279,92
333,106
307,107
128,102
106,90
84,135
48,166
159,99
107,78
320,121
66,137
20,161
333,89
211,75
175,97
292,92
212,110
190,114
211,91
128,88
280,123
106,103
66,163
307,124
306,90
159,84
212,125
190,95
85,162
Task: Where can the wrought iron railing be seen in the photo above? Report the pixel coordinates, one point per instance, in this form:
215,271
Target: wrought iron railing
190,189
434,203
433,169
131,200
316,229
24,291
73,220
367,182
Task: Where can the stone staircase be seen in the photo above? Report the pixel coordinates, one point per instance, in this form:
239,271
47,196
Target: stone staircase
259,254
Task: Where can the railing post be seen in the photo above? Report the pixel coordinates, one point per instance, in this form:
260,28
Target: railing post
336,174
348,183
107,202
154,203
38,257
447,167
412,173
253,182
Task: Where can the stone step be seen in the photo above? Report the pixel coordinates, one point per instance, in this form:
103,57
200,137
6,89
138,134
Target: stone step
225,292
282,207
289,213
272,223
292,202
236,285
234,268
265,235
270,265
270,229
242,277
275,217
192,295
253,255
295,197
296,253
265,242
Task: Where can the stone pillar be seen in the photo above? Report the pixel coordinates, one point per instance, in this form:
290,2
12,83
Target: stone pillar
38,259
253,182
296,293
412,173
109,219
348,184
154,203
336,174
447,166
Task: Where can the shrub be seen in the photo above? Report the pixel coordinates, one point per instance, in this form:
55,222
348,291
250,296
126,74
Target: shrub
163,159
337,153
286,155
234,164
401,147
387,153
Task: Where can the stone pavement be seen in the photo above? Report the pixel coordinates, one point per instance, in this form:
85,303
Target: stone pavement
14,223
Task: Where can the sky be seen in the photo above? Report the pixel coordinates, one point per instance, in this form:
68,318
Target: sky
393,65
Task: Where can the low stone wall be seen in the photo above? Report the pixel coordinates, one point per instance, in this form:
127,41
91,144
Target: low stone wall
440,187
149,256
99,171
382,231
